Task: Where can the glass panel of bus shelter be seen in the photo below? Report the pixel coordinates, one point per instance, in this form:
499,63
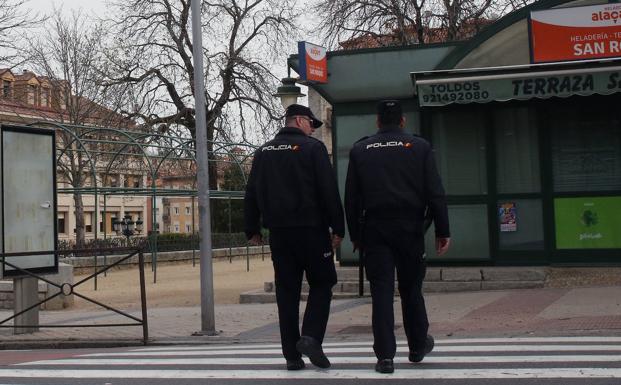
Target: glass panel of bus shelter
520,224
469,234
517,150
459,141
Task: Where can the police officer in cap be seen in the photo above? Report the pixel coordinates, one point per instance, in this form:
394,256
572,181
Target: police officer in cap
292,190
391,181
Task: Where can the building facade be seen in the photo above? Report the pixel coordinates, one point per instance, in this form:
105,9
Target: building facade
527,139
28,98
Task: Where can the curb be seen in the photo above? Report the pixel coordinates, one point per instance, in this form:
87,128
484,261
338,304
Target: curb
114,343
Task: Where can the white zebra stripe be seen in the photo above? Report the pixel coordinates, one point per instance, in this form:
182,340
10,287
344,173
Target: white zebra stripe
240,361
400,349
399,343
415,373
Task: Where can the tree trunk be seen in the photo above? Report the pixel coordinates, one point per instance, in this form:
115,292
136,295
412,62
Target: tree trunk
213,165
420,30
80,239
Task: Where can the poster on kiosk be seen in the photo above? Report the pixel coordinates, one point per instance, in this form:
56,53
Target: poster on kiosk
313,62
28,196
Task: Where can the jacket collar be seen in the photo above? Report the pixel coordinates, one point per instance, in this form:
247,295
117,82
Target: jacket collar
390,129
291,130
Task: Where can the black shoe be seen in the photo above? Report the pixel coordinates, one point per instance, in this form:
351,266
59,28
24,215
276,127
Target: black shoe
295,364
418,356
311,348
384,366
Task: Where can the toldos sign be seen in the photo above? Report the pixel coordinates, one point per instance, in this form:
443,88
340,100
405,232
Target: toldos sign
523,86
575,33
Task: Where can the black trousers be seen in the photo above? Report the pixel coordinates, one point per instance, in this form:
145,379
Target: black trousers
389,245
296,251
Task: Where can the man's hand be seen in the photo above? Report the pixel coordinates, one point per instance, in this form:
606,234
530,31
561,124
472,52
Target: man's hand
442,245
256,240
356,245
336,241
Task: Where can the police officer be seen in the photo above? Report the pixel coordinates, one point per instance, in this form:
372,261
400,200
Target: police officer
293,191
392,179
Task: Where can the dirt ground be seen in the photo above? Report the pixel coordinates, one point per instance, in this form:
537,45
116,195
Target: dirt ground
561,277
177,284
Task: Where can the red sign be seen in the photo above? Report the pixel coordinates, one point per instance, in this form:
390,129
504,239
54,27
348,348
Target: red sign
313,62
576,33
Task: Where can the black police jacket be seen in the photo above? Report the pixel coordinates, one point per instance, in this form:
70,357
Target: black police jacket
393,175
292,184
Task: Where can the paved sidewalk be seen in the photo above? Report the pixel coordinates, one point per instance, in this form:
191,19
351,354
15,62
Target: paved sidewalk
548,311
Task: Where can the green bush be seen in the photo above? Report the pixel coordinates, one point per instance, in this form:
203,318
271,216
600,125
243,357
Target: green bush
165,242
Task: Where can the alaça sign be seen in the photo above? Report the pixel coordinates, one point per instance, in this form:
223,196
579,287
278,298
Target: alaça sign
576,33
313,62
588,223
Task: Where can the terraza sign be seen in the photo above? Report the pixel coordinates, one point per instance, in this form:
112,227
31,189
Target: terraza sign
520,88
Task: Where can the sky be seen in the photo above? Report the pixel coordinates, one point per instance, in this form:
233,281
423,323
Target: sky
97,7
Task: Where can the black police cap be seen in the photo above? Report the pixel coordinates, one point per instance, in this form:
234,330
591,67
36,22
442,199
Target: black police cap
389,110
299,110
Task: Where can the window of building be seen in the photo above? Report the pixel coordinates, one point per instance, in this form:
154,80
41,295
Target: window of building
45,97
62,98
88,222
176,227
61,223
176,210
32,90
113,180
6,88
188,228
111,221
188,210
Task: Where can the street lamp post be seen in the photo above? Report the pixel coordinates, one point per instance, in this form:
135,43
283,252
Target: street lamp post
208,319
127,226
288,92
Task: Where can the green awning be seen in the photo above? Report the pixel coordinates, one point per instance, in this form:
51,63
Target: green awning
440,88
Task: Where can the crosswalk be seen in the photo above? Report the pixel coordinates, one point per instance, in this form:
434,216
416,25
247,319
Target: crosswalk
475,358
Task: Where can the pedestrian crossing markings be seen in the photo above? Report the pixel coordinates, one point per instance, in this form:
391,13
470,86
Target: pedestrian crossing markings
536,357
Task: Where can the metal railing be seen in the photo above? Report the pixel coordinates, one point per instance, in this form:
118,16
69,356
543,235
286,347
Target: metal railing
67,288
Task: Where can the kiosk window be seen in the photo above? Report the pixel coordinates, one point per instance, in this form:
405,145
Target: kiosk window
459,143
517,150
586,149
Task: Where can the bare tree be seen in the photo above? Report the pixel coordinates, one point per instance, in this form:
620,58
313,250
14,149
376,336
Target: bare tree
372,23
153,53
14,20
375,22
460,19
69,56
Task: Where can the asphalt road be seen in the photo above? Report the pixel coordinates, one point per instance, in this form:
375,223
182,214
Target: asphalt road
533,360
